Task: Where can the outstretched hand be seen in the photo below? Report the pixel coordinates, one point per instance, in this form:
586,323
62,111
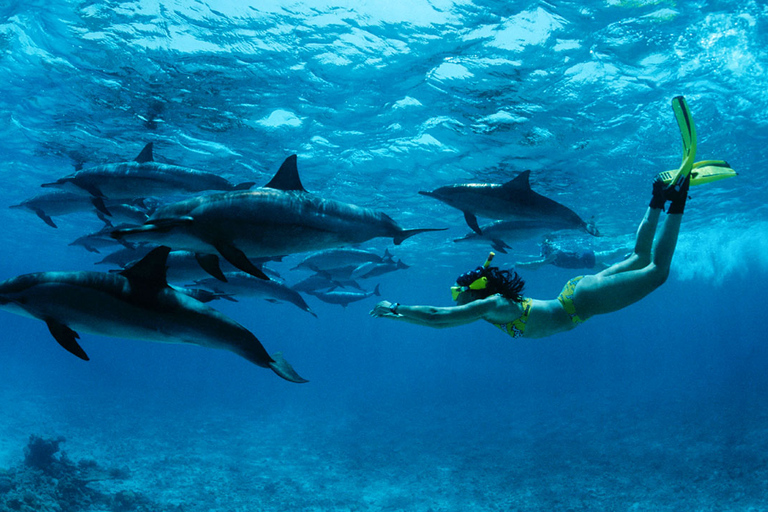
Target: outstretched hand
382,310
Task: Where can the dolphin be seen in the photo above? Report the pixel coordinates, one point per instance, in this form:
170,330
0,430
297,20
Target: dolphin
142,177
368,270
136,303
240,283
500,232
512,200
123,257
337,258
323,281
278,219
344,298
60,202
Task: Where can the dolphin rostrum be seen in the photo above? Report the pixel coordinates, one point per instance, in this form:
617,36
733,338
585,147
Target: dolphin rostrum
280,218
143,177
512,200
136,303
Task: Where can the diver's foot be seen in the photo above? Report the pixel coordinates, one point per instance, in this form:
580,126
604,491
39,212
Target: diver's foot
657,198
677,196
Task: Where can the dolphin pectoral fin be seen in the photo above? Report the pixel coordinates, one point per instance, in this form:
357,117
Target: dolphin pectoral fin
472,222
40,213
407,233
238,258
281,367
91,189
210,263
500,245
98,203
104,219
67,338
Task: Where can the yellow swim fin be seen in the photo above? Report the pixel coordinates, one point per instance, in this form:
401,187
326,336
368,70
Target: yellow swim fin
703,172
688,134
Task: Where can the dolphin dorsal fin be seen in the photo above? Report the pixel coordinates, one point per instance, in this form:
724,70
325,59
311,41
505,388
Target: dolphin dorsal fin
145,155
149,272
520,182
287,177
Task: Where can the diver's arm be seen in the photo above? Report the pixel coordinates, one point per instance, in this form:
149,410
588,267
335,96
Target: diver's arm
431,316
534,264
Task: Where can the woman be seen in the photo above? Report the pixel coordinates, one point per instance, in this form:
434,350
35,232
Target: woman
494,295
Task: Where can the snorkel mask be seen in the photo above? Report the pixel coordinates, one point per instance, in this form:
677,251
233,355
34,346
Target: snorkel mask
472,280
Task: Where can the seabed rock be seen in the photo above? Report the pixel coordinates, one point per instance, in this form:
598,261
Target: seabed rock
49,481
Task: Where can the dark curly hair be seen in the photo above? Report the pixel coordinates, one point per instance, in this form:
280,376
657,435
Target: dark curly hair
507,283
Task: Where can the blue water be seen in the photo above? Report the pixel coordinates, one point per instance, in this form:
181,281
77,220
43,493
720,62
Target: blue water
661,406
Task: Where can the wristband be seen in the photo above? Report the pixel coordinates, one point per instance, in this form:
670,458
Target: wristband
393,308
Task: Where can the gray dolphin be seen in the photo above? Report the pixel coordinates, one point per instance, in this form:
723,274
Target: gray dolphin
240,283
512,200
369,270
280,218
136,303
343,298
500,232
337,258
142,178
60,202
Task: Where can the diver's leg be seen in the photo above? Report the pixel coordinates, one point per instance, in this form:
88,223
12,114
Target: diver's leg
605,293
641,255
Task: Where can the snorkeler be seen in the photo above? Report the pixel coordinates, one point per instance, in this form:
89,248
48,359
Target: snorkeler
552,254
488,293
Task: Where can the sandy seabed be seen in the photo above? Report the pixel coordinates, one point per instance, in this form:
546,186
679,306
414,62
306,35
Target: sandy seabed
214,458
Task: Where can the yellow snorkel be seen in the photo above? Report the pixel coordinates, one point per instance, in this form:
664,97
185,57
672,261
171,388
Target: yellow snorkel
489,260
477,284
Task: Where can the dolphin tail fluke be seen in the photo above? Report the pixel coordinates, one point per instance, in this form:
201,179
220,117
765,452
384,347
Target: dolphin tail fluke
407,233
282,368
